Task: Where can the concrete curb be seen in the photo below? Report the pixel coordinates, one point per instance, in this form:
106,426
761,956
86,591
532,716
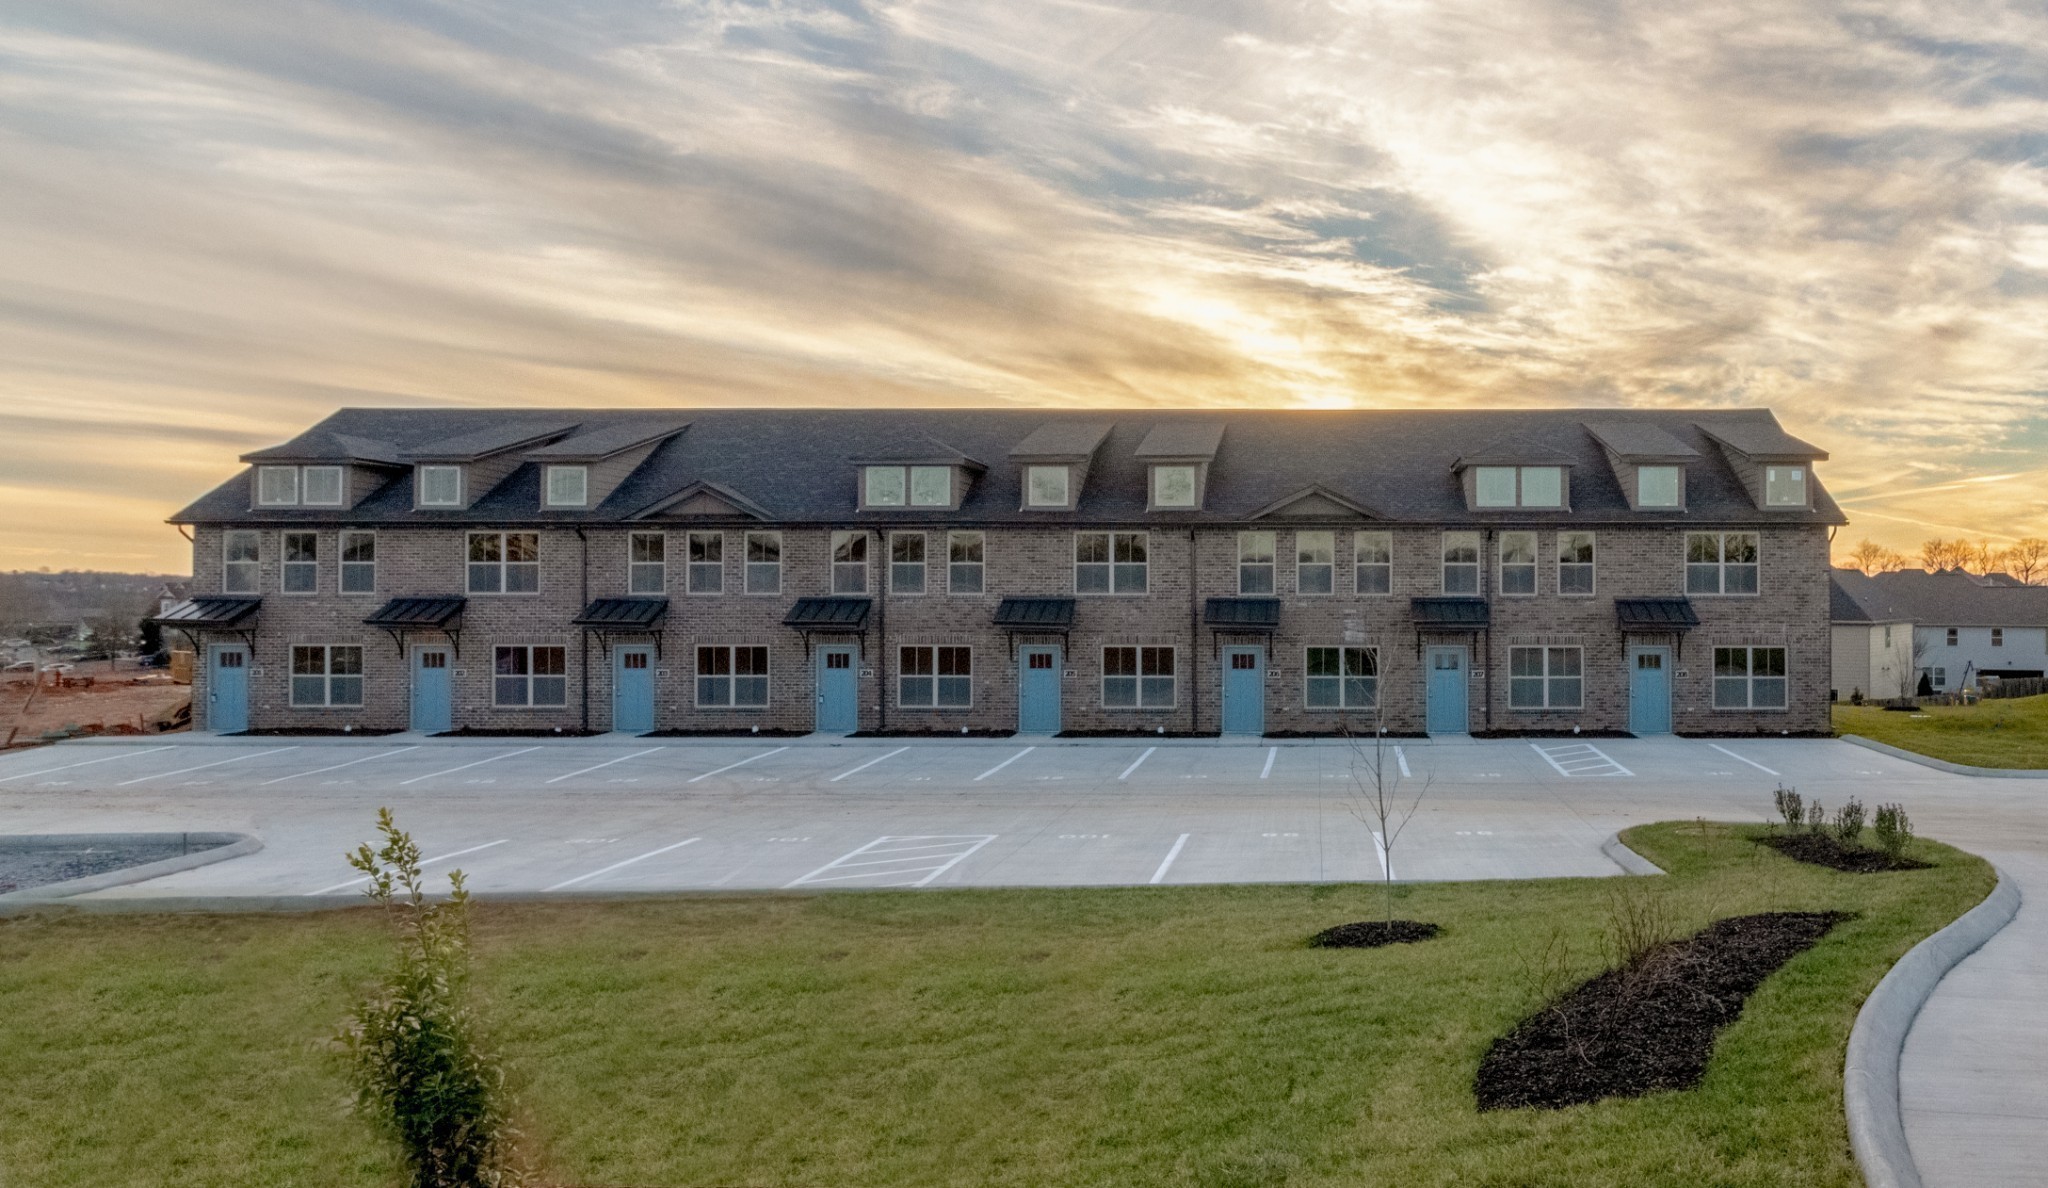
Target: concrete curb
1870,1075
1628,860
219,847
2004,773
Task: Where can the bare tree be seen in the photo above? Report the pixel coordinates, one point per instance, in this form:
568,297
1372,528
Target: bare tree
1873,558
1987,557
2027,559
1939,554
1380,794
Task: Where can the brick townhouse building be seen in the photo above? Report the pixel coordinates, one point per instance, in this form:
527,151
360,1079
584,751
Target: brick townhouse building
1185,572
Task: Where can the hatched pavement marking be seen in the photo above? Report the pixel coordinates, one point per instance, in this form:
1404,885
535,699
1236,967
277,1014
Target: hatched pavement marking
940,853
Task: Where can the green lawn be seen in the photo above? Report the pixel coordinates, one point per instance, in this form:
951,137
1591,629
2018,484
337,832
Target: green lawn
2009,732
1149,1036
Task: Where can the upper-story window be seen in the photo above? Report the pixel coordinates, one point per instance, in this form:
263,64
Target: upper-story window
277,486
764,562
1372,554
301,569
1720,563
707,563
323,486
646,563
440,486
1951,639
241,570
1998,637
906,563
1048,486
1110,562
1518,563
1173,486
1255,562
1461,563
849,562
907,486
1315,562
1574,563
966,562
1518,486
504,562
1660,486
1785,486
359,563
568,486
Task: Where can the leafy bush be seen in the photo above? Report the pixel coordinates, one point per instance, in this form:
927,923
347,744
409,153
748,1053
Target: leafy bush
1790,806
1849,821
423,1074
1894,830
1816,817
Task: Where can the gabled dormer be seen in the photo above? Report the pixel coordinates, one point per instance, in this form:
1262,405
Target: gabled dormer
1053,463
1509,476
1177,456
1650,464
1774,466
920,474
453,473
581,470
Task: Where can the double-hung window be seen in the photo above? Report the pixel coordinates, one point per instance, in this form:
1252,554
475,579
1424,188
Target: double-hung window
966,561
301,570
1372,554
327,675
646,562
1574,563
530,675
1137,677
1998,637
504,562
764,562
906,562
1720,563
1461,563
707,563
1315,562
1255,562
241,562
277,486
1342,678
1110,562
1518,563
934,677
359,563
1950,636
1546,678
850,562
732,677
1749,678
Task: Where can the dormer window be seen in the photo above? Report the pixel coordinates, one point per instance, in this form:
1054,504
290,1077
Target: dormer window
907,486
1518,486
1785,486
440,486
1660,486
277,486
323,486
1173,486
568,486
1047,486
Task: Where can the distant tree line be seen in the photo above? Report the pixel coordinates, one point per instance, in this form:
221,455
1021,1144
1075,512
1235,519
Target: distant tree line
2025,559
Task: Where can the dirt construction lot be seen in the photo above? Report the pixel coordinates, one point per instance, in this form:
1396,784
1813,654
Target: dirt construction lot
110,702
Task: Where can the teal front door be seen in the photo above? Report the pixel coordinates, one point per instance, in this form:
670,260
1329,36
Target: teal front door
227,689
1244,691
1038,690
1649,690
633,689
433,692
1448,709
838,709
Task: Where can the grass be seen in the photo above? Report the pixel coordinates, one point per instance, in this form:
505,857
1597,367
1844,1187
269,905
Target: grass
2008,732
1151,1036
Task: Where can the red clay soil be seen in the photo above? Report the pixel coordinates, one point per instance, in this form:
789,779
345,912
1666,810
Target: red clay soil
112,704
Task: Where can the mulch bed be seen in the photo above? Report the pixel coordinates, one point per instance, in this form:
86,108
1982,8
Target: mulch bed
1648,1026
1825,849
1371,934
1362,736
323,732
519,732
1567,733
728,732
1137,734
970,732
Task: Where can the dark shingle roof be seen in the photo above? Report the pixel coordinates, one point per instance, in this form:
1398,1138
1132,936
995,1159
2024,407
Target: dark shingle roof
604,440
1637,440
1953,599
796,465
1182,439
1062,439
1762,439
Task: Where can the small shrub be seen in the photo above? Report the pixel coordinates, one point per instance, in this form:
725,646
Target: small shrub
1816,817
1790,806
1637,922
1855,697
1849,822
1894,830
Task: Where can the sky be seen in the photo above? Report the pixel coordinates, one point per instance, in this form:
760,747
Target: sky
219,221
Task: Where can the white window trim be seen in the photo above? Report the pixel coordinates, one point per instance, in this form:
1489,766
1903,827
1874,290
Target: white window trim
925,565
865,564
1113,591
531,677
1535,564
1546,678
1102,688
690,589
934,706
747,566
228,566
1271,565
504,564
981,565
420,486
1356,565
632,564
1300,565
1478,564
732,678
342,563
327,676
285,566
1749,681
1594,565
340,487
1340,707
1721,565
291,472
548,486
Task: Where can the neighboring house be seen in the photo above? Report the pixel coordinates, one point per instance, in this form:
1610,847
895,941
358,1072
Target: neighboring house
1873,639
927,571
1968,628
170,595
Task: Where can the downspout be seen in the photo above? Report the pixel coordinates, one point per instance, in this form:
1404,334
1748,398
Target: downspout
1194,642
583,600
1486,551
881,635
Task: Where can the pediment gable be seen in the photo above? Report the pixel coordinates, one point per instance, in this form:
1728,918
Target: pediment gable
705,500
1314,503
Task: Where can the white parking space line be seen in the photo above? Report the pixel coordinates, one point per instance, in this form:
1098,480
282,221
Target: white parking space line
337,767
1135,762
157,775
465,767
1272,753
937,854
85,763
600,766
1739,759
1401,757
1005,763
863,767
620,865
1160,874
1575,760
424,863
1379,847
742,763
